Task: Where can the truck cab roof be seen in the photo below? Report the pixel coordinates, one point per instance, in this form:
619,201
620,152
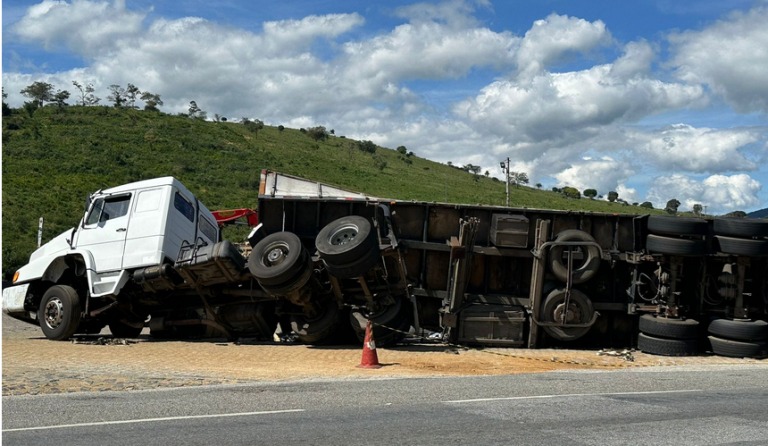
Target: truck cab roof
145,184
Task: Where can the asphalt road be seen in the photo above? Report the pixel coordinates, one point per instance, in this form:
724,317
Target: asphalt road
671,406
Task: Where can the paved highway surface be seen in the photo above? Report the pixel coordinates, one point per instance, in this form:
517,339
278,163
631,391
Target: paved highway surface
670,406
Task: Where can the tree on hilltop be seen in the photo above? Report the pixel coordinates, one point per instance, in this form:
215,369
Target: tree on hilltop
86,94
117,95
131,93
151,101
672,206
39,93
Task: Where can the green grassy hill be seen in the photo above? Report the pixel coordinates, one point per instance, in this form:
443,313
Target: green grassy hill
54,158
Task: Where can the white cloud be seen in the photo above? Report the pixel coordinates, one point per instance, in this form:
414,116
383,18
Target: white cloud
426,51
289,34
455,14
682,147
89,28
551,38
720,193
604,174
735,192
730,56
556,109
636,61
627,194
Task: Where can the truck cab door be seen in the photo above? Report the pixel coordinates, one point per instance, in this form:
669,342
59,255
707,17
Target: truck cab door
104,230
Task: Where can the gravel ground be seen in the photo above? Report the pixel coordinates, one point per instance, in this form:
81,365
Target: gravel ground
34,365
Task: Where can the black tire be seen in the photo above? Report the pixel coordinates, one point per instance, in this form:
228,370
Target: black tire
60,312
584,269
319,328
294,283
390,325
736,330
666,347
355,269
658,224
580,311
675,246
741,227
663,327
738,349
742,246
277,259
123,330
346,240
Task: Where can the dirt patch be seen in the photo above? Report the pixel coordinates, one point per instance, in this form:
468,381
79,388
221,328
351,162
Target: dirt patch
35,365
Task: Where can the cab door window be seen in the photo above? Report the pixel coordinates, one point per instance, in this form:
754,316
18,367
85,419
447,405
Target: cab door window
109,208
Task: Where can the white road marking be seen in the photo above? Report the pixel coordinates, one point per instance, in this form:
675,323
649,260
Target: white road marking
566,395
151,420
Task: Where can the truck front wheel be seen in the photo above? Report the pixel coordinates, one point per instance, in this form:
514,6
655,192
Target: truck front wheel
60,312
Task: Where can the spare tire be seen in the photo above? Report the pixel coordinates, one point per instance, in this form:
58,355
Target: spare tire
346,240
584,269
579,311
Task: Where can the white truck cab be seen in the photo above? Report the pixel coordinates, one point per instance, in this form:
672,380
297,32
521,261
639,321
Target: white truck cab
125,228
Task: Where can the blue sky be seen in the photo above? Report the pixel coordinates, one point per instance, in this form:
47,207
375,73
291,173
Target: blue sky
654,99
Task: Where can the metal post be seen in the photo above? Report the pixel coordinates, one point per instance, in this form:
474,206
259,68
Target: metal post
505,168
40,232
537,281
507,181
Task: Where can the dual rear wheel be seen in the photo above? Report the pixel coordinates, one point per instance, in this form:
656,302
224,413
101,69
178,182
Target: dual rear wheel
739,338
665,336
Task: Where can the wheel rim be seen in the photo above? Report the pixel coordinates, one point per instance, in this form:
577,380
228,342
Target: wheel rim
54,313
578,311
344,235
275,254
570,315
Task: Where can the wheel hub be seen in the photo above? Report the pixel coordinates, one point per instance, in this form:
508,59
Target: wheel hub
568,315
276,255
54,313
344,235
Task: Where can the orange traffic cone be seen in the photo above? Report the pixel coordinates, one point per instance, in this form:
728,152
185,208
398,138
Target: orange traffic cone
370,359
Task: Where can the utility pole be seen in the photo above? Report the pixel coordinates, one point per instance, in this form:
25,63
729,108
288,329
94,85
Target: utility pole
505,168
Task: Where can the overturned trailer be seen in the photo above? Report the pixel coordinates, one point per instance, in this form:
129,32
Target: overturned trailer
323,260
